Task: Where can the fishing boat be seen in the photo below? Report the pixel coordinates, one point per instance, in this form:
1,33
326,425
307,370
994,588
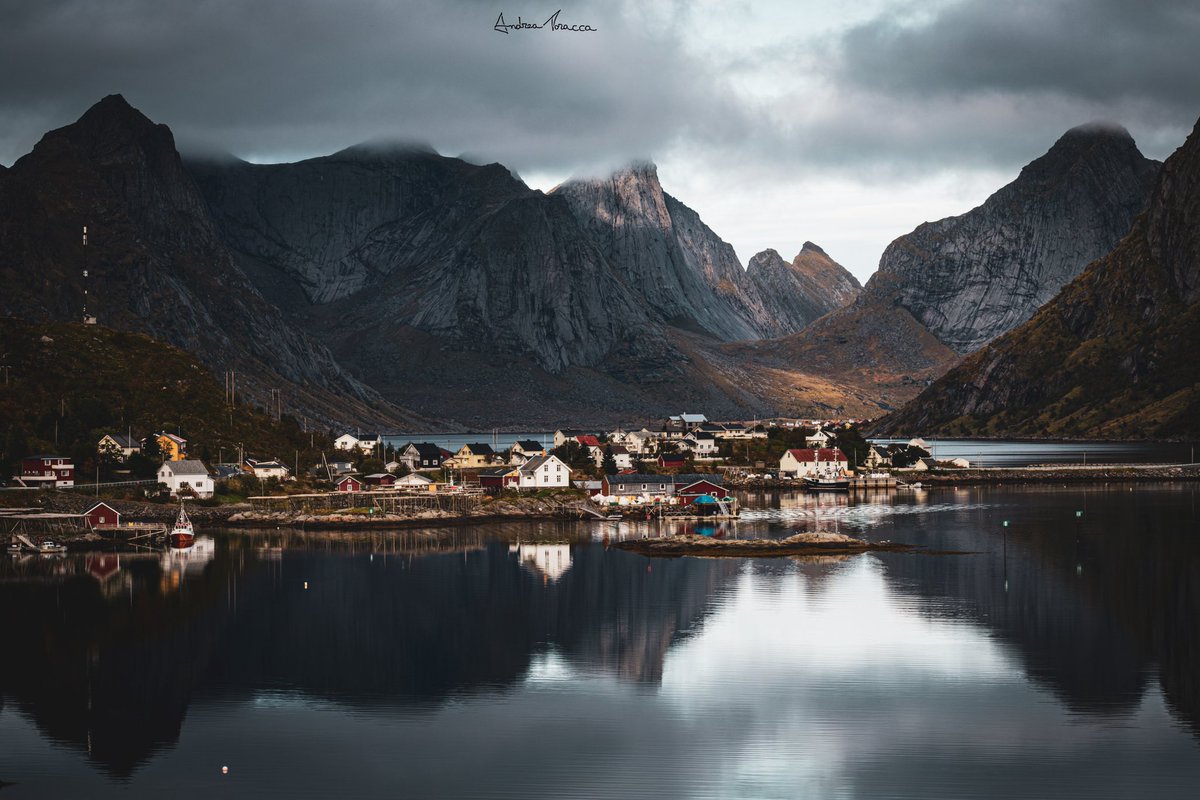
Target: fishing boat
837,484
47,547
181,533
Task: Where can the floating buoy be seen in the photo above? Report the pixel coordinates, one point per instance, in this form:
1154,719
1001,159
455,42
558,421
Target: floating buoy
306,584
224,770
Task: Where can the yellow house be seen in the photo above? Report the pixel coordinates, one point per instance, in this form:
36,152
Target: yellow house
172,447
471,456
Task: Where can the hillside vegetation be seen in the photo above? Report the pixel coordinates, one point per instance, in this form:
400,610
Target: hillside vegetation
68,384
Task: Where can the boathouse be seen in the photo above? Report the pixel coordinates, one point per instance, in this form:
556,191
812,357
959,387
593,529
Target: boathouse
102,515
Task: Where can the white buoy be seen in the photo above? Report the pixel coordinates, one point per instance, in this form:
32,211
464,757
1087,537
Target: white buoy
306,584
224,770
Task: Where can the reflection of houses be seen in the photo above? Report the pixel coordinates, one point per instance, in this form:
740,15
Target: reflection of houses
550,561
807,461
184,475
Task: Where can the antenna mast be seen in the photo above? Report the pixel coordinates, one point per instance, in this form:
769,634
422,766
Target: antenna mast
88,319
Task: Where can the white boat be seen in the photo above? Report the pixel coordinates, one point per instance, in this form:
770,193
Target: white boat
182,533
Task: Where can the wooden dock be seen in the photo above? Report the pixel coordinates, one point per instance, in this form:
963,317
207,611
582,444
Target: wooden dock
864,484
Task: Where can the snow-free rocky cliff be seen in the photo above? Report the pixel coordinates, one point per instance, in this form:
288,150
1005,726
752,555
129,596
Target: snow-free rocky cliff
970,278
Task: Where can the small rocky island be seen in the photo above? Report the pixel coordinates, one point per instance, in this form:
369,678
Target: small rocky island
815,543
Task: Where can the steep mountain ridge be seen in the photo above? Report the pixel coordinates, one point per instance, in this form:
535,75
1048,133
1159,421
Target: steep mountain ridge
797,293
1110,356
687,274
155,261
973,277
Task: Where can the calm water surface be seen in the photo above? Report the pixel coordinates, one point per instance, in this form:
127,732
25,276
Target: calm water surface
1060,657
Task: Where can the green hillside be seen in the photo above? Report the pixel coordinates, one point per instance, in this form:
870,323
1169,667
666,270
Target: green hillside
65,385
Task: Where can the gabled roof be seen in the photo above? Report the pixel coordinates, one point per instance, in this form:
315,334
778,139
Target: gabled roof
588,440
674,480
496,472
122,439
672,457
532,464
97,505
424,449
528,445
479,449
189,466
172,437
805,454
272,464
342,479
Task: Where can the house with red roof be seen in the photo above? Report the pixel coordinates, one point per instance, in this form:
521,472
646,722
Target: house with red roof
805,462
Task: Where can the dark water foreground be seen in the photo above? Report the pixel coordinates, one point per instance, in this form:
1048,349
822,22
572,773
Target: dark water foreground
529,660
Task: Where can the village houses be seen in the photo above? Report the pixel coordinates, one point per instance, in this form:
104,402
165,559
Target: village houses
184,475
811,462
524,450
118,446
471,456
266,469
46,472
172,447
422,455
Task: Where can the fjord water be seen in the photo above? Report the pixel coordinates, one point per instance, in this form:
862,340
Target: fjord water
1056,657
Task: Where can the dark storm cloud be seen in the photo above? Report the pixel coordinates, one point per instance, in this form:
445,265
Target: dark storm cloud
279,78
1099,50
976,83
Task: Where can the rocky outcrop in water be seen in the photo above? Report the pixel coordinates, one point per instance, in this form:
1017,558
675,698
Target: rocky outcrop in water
1111,356
973,277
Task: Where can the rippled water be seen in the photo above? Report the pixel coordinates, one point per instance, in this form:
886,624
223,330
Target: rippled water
1059,657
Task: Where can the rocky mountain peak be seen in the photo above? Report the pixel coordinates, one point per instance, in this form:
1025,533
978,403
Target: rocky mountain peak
809,247
973,277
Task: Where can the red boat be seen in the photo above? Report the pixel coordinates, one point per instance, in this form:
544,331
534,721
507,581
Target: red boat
181,535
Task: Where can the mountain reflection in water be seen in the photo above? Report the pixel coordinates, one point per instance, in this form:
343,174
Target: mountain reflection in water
112,655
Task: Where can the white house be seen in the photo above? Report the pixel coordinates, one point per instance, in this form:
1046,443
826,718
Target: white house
703,444
186,474
620,455
877,458
524,450
641,442
266,469
818,439
413,480
812,462
544,472
119,445
346,441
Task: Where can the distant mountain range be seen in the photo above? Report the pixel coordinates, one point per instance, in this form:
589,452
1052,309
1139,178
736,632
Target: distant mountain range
389,285
1112,355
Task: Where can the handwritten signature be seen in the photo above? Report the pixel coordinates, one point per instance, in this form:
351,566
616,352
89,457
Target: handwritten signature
552,23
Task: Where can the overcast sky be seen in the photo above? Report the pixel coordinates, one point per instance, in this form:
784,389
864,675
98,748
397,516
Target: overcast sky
844,123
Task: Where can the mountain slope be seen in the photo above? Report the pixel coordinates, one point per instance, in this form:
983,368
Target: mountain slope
156,262
1110,356
458,291
795,294
973,277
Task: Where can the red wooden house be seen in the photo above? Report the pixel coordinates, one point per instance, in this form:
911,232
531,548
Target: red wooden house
348,483
51,472
688,494
670,461
102,515
382,479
